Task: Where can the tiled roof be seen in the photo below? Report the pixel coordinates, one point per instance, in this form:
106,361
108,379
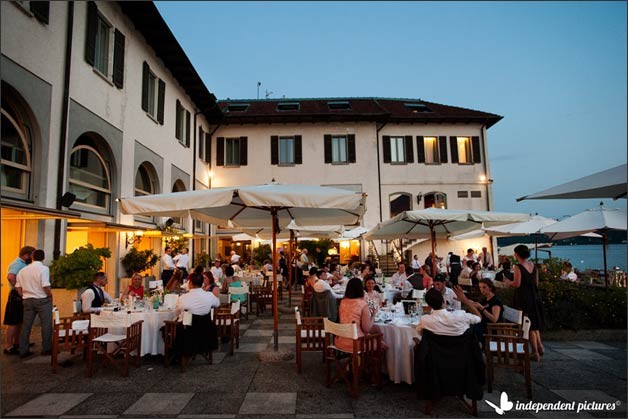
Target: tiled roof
348,109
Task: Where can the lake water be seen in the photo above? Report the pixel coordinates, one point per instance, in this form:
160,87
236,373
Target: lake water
590,256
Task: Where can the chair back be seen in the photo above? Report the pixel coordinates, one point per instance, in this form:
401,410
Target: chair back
170,300
349,331
297,316
80,325
512,315
526,327
106,320
235,307
418,294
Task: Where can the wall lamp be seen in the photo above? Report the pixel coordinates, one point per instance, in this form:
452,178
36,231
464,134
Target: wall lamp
133,238
484,179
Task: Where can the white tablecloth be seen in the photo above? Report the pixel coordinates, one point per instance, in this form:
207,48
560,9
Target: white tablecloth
399,356
152,341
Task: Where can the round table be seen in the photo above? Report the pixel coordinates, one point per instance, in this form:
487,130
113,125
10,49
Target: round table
152,341
399,362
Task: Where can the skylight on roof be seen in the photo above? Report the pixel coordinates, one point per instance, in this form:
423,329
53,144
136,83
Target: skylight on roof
339,105
288,106
237,107
417,107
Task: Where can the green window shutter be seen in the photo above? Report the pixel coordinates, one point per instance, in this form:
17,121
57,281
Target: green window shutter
90,38
409,149
453,145
220,151
41,10
161,99
177,125
420,149
386,145
475,144
298,152
145,82
244,153
327,145
351,148
442,145
118,59
208,148
201,143
187,128
274,149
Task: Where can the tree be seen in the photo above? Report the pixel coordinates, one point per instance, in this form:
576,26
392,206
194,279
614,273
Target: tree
76,270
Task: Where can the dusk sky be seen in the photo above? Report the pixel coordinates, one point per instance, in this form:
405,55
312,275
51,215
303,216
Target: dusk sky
556,71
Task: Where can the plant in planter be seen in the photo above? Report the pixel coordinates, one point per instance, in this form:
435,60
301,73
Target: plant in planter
202,259
76,270
138,260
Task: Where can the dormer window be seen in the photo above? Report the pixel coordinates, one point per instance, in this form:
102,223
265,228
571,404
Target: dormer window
288,106
339,106
417,107
237,107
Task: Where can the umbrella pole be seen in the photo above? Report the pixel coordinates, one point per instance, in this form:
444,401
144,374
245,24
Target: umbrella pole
290,268
536,249
604,240
273,213
433,239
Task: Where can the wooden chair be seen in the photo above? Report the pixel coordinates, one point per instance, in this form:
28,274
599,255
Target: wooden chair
115,329
169,336
263,296
188,341
507,346
69,335
306,291
310,336
227,321
243,290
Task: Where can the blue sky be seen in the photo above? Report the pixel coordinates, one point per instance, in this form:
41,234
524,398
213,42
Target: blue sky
556,71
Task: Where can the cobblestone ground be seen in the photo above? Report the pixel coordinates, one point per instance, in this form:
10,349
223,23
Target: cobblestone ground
242,386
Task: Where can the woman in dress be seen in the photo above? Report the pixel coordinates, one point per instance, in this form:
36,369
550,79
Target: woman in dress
209,284
372,297
526,298
353,308
135,288
490,308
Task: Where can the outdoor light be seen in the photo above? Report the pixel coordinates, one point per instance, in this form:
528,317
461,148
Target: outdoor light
133,238
332,251
482,178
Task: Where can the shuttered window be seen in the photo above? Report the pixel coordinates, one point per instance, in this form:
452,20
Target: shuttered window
428,150
201,143
339,149
232,151
182,124
101,38
286,150
397,150
153,94
465,150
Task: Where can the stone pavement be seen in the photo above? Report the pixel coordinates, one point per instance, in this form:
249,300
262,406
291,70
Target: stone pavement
242,386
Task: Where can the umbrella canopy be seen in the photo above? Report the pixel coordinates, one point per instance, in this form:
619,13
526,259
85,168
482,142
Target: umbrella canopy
510,249
301,232
273,205
609,183
532,226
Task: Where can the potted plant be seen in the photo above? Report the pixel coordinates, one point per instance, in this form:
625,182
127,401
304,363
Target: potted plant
202,259
76,270
138,260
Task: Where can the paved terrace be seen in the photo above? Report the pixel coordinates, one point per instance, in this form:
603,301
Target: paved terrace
242,386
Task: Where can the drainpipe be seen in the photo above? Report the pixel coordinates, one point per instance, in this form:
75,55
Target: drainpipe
489,181
63,137
194,176
379,176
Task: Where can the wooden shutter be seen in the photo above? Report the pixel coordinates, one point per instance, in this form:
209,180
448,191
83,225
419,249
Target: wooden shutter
420,149
178,123
453,145
220,151
386,145
145,82
208,148
90,38
201,143
409,149
244,154
118,59
475,145
442,145
161,98
187,128
351,148
327,147
274,149
41,10
298,153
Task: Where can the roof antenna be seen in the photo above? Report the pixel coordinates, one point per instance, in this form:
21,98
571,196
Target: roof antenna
259,83
268,93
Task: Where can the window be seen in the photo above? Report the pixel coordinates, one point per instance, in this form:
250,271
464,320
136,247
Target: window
400,202
463,194
398,149
16,154
339,149
476,194
153,94
465,150
431,150
286,150
104,46
288,106
89,178
232,151
178,186
144,181
237,107
435,200
417,107
339,106
39,9
182,126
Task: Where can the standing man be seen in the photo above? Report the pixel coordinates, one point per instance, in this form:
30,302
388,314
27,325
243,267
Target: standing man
14,311
33,285
167,265
95,296
235,258
416,265
216,270
486,259
182,261
469,256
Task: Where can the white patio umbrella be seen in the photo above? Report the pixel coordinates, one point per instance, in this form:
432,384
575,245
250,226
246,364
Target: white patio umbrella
609,183
436,222
526,228
272,205
597,220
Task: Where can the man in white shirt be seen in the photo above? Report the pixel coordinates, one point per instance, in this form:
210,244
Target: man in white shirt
399,277
486,259
321,285
235,258
196,300
95,296
416,265
469,256
448,294
443,322
33,285
216,271
182,261
167,265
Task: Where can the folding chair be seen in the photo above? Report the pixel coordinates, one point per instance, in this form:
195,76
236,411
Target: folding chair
69,335
227,321
114,329
310,336
243,290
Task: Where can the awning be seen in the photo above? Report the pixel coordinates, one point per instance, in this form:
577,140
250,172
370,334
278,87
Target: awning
23,211
102,226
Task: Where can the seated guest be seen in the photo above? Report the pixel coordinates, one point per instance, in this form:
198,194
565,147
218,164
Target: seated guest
209,284
217,270
373,298
175,282
353,308
196,301
567,272
427,279
465,275
227,280
448,294
237,283
135,288
505,272
312,278
441,321
399,277
475,274
94,296
365,271
490,308
321,285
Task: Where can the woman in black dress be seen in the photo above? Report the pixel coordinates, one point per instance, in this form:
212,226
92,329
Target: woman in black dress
526,299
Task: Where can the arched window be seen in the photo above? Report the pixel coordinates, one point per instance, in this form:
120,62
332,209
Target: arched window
16,153
89,178
400,202
179,186
435,200
145,181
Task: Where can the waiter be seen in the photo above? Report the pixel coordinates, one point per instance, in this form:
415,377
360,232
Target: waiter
182,260
167,265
